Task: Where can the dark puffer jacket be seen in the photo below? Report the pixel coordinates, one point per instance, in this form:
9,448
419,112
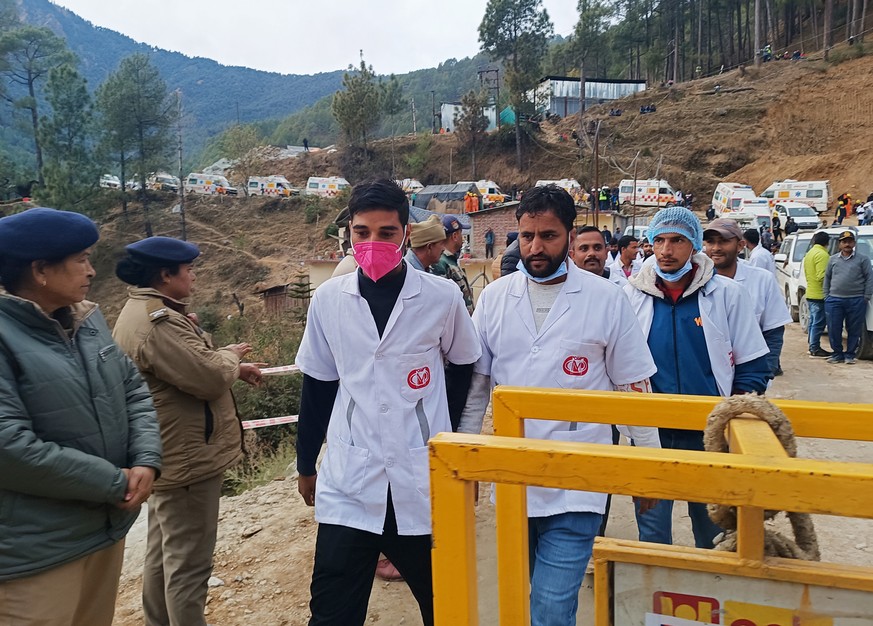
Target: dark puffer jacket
74,410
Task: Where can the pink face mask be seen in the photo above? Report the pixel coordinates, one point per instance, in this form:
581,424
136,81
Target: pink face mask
377,258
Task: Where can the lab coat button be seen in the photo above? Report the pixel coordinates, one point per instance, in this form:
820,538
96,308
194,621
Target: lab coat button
383,408
535,349
389,462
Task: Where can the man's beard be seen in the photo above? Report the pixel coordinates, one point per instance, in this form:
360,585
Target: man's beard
551,268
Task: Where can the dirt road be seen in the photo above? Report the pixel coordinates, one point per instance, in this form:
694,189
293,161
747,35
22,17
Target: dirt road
266,536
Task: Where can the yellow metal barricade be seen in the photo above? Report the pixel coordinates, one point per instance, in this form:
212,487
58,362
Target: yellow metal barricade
757,475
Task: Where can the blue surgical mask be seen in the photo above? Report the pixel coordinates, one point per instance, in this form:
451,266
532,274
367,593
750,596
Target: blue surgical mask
672,277
561,271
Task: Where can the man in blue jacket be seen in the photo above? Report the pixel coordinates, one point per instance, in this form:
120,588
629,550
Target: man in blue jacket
704,338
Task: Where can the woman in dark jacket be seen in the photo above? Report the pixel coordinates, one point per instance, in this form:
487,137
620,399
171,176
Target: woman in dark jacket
79,440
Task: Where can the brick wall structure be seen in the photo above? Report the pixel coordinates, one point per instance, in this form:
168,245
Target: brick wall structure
500,219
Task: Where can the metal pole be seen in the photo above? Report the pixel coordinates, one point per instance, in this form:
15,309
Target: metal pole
433,126
634,205
414,129
181,174
597,173
758,33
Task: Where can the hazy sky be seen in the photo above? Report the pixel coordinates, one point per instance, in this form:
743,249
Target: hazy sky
307,36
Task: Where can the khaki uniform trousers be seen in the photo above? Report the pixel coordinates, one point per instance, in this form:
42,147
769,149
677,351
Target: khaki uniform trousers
183,524
81,593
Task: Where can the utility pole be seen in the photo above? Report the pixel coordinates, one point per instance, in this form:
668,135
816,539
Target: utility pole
634,203
581,111
181,174
597,173
758,33
492,84
433,114
414,129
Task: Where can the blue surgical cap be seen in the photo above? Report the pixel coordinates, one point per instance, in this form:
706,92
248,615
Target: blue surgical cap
677,219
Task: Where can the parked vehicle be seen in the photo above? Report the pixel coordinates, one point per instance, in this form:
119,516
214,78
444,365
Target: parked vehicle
639,231
646,193
745,220
271,186
728,197
162,181
789,272
815,193
108,181
804,215
326,187
570,185
792,278
489,190
409,185
209,184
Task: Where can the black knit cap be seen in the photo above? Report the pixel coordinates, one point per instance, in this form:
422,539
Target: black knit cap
45,234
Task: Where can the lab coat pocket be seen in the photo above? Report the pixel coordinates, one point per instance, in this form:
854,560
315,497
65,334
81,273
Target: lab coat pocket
421,469
348,466
576,363
416,374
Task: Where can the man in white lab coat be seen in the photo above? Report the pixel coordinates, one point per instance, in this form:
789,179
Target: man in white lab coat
702,333
589,253
759,255
627,262
553,325
375,386
724,242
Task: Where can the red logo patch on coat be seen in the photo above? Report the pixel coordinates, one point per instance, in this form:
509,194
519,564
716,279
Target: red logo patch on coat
419,379
576,365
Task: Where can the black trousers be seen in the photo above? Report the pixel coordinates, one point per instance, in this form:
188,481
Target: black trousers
345,563
489,250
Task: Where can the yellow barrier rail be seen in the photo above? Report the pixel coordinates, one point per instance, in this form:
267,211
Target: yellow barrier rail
757,475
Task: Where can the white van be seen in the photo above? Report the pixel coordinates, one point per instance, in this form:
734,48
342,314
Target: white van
209,184
270,186
645,193
815,193
326,187
161,181
409,185
728,197
803,215
488,189
110,181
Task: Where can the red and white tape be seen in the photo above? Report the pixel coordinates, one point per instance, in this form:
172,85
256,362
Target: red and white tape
282,370
270,421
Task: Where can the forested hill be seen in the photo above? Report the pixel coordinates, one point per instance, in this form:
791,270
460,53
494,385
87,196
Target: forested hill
212,93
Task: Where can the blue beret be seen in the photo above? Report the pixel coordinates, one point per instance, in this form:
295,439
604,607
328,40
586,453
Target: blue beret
163,250
45,234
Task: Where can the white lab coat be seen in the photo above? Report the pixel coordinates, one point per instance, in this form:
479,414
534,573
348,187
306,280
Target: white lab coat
391,396
616,267
727,315
770,309
589,340
617,277
759,257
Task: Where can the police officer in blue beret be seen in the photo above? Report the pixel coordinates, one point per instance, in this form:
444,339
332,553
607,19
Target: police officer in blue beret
79,440
191,381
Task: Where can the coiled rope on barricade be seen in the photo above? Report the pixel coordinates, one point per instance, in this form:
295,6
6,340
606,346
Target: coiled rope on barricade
804,546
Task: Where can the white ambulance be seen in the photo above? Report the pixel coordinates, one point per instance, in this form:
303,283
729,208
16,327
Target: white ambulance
327,187
728,197
209,184
270,186
815,193
646,193
409,185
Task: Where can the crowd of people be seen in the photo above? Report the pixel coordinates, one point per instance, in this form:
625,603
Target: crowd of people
95,422
541,324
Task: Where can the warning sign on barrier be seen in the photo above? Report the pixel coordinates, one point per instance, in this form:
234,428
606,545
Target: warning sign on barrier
270,421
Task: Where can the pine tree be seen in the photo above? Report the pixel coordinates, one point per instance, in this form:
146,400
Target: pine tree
28,53
471,123
66,136
517,32
358,108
